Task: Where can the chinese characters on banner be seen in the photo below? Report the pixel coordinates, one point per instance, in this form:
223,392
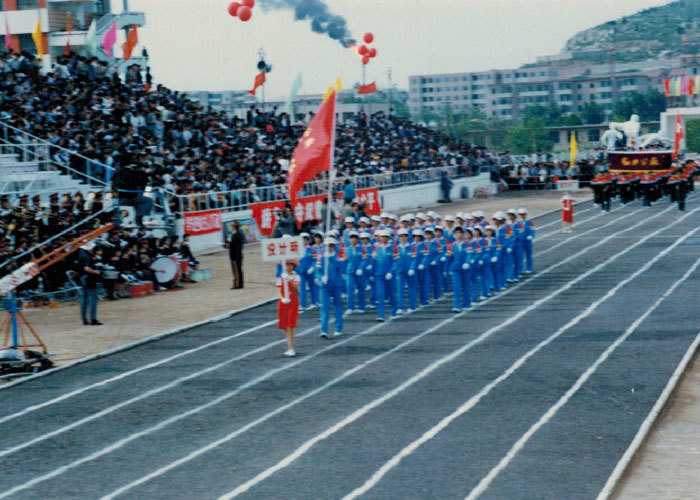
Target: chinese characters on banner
198,223
639,161
307,208
282,249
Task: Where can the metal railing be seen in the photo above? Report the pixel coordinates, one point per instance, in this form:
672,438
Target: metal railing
241,199
30,148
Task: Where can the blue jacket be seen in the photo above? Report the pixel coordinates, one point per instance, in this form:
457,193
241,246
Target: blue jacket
336,268
306,262
529,228
355,258
458,252
408,258
385,259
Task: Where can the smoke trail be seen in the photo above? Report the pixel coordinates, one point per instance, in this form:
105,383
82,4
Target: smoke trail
322,21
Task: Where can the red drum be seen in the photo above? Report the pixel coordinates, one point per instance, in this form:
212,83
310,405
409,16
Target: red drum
167,270
140,289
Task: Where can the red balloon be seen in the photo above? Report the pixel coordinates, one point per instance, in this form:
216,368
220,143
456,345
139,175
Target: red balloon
233,8
248,3
368,38
372,52
244,13
363,50
365,59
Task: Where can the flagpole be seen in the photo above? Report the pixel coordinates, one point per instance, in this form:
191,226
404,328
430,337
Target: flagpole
331,176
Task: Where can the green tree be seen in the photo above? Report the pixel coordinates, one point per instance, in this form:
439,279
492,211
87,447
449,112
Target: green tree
593,112
692,135
648,106
529,137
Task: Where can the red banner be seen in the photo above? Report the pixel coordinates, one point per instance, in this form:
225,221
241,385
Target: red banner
307,208
197,223
639,161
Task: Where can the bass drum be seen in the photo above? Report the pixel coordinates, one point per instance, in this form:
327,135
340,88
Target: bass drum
167,270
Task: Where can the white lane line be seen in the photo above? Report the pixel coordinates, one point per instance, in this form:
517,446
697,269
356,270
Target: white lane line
306,446
126,374
556,221
173,419
577,224
612,481
520,443
154,364
474,400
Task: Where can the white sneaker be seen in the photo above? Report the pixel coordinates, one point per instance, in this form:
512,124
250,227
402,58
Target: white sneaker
290,353
349,312
393,317
455,310
323,335
380,320
399,311
337,334
409,311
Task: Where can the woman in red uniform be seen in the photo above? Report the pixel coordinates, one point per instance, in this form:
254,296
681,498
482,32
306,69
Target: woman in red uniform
567,212
288,304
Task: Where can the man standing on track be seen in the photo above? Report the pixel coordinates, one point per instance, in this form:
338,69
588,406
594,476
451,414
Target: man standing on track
235,250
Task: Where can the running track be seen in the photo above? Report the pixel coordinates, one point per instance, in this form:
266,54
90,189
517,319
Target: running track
534,394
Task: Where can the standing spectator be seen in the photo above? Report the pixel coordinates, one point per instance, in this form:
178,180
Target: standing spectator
235,250
446,186
348,192
286,224
89,280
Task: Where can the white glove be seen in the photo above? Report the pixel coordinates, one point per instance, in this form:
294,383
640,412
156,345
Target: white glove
421,267
388,276
529,237
324,279
358,272
465,266
494,259
310,270
411,272
509,250
284,276
433,263
369,268
442,259
286,300
481,262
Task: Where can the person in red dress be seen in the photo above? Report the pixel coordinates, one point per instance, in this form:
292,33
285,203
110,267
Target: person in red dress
567,212
288,304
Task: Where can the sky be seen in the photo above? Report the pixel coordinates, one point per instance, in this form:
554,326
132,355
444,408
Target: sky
196,45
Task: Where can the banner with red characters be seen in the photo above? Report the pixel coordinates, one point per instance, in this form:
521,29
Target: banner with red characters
205,222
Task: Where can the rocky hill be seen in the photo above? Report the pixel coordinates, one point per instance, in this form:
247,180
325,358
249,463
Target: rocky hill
658,32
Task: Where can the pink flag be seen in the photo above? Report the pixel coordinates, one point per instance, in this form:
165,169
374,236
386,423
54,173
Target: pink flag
110,39
8,38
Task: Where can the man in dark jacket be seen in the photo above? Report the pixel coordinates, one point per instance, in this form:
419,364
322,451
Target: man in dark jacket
446,186
235,250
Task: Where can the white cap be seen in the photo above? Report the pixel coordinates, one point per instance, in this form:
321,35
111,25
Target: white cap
449,218
432,214
440,228
305,235
418,232
522,211
491,228
88,246
384,232
469,230
330,241
512,211
285,236
353,233
429,229
499,216
365,234
403,231
460,215
350,219
376,218
384,215
411,216
365,220
479,213
393,217
421,216
405,218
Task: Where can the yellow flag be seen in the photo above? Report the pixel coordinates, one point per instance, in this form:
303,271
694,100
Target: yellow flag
337,86
38,39
574,150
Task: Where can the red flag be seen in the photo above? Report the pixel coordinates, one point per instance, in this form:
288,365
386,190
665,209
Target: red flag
370,88
259,80
132,40
68,29
679,132
667,87
315,149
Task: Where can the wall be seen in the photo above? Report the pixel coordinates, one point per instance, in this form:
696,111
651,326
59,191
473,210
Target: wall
392,200
24,21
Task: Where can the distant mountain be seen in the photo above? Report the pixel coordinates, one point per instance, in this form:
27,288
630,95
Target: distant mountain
658,32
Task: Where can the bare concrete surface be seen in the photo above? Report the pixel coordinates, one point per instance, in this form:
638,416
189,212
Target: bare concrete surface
667,467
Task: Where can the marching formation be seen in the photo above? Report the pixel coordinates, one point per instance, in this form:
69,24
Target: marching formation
409,262
648,186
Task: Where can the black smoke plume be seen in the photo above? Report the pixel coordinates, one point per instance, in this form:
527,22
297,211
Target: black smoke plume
322,20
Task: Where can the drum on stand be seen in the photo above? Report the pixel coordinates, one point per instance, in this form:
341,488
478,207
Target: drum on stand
167,271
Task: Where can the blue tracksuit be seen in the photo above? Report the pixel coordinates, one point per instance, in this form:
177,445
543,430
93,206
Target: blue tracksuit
369,273
443,264
527,243
333,290
508,247
432,265
501,269
519,235
408,261
460,294
476,268
308,289
491,252
467,280
385,259
422,252
356,257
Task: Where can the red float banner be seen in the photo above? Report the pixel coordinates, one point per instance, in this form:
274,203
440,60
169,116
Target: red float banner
198,223
307,208
639,161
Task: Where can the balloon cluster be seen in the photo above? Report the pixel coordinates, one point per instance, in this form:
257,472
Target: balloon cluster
367,53
243,10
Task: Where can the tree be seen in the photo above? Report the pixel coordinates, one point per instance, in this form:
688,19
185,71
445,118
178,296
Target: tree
529,137
692,136
648,106
593,112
